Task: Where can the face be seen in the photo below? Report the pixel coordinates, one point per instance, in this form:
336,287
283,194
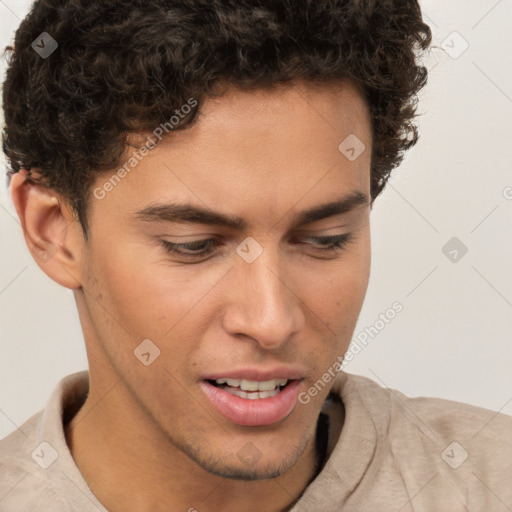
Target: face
217,247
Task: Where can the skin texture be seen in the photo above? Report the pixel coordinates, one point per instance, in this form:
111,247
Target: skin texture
147,438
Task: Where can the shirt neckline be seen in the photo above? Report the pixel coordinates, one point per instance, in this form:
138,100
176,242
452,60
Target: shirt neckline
340,474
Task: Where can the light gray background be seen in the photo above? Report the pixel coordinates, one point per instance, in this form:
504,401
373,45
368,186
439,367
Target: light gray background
453,337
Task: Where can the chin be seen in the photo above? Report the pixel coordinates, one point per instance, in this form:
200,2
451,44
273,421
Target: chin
247,474
248,463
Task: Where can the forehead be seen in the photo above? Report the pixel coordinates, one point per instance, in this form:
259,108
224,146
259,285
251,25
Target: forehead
263,148
283,116
304,98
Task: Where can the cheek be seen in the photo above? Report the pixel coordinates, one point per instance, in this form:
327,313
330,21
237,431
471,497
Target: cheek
148,295
336,296
340,286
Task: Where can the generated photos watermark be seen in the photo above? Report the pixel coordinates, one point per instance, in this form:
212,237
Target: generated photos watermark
109,185
356,345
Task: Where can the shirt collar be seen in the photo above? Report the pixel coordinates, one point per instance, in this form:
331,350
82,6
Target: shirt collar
340,476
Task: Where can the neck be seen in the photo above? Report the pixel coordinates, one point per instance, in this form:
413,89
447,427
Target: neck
130,465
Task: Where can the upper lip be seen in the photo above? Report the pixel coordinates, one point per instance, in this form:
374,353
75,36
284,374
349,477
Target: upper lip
259,374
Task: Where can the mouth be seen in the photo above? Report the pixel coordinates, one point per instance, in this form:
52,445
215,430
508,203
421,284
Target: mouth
250,389
252,402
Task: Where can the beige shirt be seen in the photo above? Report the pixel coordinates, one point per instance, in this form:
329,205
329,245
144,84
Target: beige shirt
394,453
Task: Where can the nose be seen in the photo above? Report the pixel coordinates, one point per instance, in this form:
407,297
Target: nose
263,305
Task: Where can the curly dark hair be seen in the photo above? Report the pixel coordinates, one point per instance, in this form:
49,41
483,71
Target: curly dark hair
70,115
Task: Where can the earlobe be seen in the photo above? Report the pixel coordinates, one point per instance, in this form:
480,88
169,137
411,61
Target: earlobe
52,235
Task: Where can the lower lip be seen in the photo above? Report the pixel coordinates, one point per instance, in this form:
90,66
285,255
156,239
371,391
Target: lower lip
253,413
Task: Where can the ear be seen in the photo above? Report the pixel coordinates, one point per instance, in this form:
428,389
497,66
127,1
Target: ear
54,238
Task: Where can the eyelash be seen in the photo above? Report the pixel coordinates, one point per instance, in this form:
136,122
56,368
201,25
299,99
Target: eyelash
327,243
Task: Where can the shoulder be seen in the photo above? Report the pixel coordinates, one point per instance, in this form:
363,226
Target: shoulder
35,462
465,450
16,448
454,428
447,417
25,484
433,432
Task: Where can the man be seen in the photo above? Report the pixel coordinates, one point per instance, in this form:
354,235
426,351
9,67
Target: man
201,175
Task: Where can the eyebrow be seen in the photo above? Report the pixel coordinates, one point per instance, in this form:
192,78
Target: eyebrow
188,213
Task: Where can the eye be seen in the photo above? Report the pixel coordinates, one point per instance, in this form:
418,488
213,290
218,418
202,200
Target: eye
202,248
191,249
331,243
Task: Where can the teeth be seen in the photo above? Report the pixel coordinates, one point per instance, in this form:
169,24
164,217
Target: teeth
250,385
253,385
251,396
